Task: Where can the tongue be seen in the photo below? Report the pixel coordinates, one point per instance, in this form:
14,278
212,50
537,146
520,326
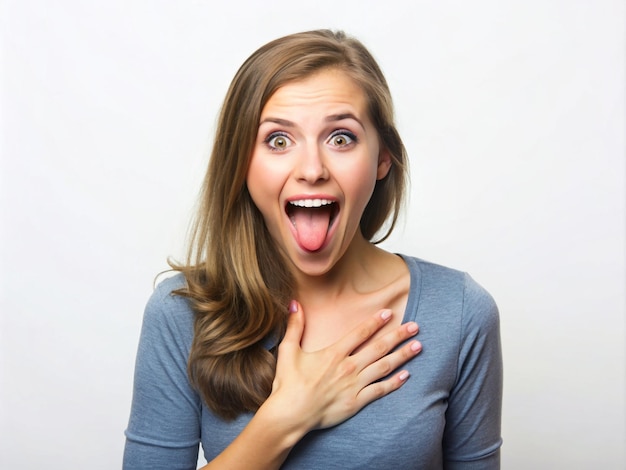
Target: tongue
311,226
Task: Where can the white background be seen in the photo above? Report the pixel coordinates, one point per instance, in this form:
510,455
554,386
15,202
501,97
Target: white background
513,115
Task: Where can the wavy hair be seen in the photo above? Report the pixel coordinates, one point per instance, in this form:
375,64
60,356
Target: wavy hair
237,280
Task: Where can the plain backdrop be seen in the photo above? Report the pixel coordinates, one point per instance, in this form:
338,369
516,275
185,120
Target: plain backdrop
513,114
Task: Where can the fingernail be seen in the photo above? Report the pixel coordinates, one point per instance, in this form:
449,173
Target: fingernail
404,375
293,306
385,314
416,346
412,328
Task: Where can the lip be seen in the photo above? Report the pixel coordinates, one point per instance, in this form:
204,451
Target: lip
313,200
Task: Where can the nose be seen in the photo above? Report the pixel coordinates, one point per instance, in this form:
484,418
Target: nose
311,167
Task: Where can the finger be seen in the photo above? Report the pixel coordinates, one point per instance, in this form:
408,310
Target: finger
379,389
388,364
363,332
295,326
381,346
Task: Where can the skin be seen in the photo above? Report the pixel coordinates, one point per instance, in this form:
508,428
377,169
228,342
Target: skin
304,150
316,140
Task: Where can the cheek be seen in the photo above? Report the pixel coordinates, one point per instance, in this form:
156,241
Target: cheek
362,183
365,192
255,177
263,186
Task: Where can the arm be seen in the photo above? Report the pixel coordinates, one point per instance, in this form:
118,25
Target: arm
472,436
164,426
318,390
311,390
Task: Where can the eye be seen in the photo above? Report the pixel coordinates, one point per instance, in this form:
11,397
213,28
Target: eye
342,138
278,141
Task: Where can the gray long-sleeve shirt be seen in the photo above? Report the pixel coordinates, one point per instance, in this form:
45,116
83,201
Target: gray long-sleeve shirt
447,415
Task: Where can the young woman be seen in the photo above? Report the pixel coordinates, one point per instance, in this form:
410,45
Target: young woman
288,338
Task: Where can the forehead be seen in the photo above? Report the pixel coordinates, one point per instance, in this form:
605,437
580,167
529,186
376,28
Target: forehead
330,88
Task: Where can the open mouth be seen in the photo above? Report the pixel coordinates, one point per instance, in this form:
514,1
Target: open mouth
312,220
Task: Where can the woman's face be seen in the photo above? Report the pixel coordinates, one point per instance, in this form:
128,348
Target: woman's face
314,166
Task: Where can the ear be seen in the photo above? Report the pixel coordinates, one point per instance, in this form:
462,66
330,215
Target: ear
384,164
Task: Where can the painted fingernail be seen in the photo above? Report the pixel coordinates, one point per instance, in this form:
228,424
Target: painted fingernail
293,306
385,314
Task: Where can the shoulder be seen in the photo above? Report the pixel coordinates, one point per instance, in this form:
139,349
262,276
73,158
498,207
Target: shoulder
164,298
440,276
478,304
452,288
166,310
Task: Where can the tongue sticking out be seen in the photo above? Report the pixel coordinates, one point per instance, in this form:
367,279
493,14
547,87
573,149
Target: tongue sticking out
311,225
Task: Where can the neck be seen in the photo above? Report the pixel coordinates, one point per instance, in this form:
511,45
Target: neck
358,271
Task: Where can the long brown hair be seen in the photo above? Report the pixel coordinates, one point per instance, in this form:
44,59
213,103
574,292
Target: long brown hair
237,281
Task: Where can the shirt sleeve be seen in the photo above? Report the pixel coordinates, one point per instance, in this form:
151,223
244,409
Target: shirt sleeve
164,425
472,436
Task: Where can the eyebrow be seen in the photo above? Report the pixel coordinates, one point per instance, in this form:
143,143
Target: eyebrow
341,117
279,121
331,118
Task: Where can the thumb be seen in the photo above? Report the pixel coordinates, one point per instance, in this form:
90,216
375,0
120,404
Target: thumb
295,324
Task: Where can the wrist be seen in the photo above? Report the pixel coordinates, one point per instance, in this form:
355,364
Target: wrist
281,420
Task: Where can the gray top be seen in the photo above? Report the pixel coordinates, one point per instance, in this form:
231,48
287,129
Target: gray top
447,415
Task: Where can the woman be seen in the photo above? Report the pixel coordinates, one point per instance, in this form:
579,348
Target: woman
306,169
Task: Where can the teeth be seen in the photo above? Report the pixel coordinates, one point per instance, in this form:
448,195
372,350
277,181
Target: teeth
311,202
